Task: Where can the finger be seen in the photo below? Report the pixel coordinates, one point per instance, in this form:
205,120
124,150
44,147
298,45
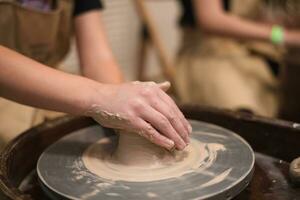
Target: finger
169,101
164,85
148,132
162,125
174,119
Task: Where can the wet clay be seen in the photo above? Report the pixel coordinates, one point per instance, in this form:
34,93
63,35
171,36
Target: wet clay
133,158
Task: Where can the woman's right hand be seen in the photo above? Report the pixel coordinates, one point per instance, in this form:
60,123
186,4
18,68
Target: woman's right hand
144,108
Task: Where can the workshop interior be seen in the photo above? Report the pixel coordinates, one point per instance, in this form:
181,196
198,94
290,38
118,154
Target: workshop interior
150,99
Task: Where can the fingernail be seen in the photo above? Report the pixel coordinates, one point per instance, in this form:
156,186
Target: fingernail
181,146
170,144
190,128
172,149
165,85
187,140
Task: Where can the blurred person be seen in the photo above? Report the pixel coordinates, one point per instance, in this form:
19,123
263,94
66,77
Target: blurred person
41,31
232,51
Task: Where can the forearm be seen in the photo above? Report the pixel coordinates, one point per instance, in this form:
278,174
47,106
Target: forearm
211,18
28,82
232,26
239,28
101,69
132,107
96,58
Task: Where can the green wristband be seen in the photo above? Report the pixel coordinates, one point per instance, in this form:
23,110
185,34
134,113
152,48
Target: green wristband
277,35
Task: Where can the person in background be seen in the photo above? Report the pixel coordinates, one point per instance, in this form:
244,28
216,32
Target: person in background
34,38
232,51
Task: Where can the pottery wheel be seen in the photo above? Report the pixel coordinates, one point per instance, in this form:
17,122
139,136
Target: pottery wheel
224,168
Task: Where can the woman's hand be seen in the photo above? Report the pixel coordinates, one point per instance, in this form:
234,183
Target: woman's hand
140,107
292,38
144,108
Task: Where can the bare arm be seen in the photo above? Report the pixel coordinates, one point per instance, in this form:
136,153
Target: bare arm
96,59
213,19
135,107
26,81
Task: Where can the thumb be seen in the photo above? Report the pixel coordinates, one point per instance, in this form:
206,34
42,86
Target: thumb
164,85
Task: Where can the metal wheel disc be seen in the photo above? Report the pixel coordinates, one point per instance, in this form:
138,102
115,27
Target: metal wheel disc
63,175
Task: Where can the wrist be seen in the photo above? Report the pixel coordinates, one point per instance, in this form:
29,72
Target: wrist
89,91
292,38
97,96
277,35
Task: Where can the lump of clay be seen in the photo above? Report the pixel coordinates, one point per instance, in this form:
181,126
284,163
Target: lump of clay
134,150
130,157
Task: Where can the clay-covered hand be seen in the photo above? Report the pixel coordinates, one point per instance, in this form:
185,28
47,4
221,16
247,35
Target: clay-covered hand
144,108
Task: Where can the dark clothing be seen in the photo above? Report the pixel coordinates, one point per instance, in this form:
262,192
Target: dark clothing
82,6
188,18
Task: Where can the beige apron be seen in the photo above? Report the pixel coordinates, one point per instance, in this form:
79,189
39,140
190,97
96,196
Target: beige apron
220,72
225,73
42,36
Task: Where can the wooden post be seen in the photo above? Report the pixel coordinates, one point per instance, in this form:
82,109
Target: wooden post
166,64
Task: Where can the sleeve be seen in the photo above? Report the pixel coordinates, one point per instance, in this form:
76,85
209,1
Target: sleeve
82,6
